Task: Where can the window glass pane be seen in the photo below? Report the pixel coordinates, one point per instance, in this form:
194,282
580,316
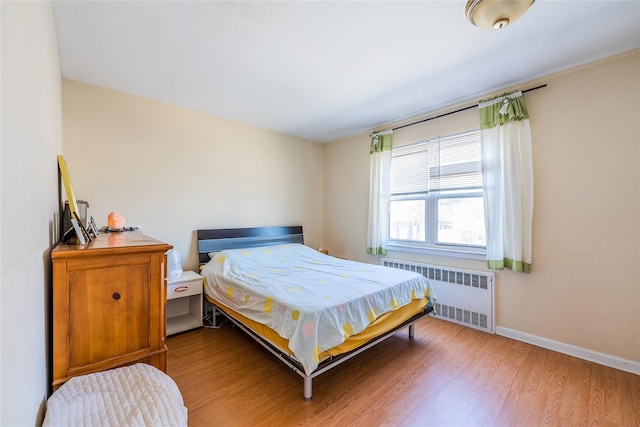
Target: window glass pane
446,163
457,164
461,221
409,171
406,220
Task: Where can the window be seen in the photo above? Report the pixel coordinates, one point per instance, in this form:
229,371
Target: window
436,195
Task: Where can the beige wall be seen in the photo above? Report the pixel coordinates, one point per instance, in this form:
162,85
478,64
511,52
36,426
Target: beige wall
31,140
173,171
584,289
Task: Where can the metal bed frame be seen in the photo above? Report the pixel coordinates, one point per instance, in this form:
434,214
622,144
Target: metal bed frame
238,238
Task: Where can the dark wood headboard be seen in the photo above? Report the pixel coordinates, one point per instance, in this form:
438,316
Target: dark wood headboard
214,240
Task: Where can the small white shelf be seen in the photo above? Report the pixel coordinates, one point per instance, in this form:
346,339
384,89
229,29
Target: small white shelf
182,323
184,312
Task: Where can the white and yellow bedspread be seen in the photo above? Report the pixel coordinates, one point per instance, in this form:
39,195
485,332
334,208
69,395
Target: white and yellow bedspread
313,300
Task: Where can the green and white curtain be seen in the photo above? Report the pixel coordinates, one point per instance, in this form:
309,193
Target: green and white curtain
379,189
507,171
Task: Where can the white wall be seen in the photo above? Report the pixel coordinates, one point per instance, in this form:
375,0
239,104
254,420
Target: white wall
173,171
584,288
31,140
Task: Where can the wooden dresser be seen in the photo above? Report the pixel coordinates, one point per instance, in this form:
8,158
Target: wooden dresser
108,304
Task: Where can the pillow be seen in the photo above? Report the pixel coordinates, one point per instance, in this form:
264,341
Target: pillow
212,254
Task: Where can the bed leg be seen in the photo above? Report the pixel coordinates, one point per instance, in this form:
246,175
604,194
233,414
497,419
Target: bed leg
214,316
411,331
307,388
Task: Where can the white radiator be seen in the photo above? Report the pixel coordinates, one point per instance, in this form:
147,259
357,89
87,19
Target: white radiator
463,296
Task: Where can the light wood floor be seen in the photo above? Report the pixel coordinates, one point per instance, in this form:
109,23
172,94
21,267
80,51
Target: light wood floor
449,375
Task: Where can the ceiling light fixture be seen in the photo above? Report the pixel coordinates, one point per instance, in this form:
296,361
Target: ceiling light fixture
495,14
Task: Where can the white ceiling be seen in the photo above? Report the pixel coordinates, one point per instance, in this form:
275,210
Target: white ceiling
327,69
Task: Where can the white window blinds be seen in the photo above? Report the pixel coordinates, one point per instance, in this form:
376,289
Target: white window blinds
441,164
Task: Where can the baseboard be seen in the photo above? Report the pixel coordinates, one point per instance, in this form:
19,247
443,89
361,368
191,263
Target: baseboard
571,350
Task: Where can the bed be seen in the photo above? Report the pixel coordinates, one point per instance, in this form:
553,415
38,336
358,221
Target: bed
311,310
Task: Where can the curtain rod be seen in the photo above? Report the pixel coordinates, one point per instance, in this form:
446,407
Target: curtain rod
458,111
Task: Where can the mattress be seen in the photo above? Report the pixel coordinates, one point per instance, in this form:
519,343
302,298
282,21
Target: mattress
312,300
381,325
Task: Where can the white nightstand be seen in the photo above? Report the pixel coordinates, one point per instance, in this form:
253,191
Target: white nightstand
184,302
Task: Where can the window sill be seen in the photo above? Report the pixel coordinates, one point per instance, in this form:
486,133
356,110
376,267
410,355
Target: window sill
452,253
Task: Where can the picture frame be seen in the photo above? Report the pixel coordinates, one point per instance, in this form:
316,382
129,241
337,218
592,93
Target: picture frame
92,228
68,187
84,230
77,227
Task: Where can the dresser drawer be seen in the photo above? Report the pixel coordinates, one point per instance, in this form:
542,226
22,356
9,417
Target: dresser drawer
184,289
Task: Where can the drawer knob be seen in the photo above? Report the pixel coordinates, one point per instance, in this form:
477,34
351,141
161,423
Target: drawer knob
116,295
181,288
